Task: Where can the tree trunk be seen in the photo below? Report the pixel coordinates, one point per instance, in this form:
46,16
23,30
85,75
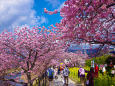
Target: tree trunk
39,82
45,79
29,78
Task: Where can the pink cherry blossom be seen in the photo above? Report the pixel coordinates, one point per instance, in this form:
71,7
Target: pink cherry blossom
27,49
81,20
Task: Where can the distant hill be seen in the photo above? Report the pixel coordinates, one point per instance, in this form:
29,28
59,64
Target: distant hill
86,48
90,52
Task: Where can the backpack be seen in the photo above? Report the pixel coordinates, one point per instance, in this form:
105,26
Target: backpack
65,72
61,68
87,83
50,72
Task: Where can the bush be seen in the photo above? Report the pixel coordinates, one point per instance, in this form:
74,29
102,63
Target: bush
102,80
98,60
74,73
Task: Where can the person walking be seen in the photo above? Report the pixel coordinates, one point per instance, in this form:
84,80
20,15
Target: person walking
90,77
65,75
58,70
55,72
103,70
50,74
96,70
81,74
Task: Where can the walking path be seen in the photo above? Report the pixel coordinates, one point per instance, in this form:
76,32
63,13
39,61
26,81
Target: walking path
60,82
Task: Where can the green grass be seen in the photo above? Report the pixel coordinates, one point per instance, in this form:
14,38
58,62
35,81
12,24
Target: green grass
102,80
98,60
74,73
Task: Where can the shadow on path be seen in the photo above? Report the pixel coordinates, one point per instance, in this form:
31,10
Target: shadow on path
60,82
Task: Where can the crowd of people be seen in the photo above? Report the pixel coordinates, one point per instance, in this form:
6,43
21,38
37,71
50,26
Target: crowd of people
63,71
54,71
93,73
108,69
88,80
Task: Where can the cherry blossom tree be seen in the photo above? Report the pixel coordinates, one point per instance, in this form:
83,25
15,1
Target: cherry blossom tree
50,12
30,49
89,21
76,58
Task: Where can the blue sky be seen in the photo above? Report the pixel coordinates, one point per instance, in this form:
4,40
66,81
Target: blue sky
15,13
50,5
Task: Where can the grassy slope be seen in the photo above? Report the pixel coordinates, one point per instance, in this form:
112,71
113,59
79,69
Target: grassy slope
102,80
74,74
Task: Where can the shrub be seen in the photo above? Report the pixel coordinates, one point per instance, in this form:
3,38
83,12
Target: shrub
98,60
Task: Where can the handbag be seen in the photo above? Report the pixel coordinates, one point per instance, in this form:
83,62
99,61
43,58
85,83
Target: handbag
87,82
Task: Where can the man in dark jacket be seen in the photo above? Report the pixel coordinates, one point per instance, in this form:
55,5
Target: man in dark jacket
90,77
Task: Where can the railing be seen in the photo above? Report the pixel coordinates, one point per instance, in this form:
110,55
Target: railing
38,81
41,80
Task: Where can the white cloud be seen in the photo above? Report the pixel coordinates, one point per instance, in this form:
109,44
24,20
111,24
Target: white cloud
61,6
18,12
54,3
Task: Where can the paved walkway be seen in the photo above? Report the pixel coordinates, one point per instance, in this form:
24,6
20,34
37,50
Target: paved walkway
60,81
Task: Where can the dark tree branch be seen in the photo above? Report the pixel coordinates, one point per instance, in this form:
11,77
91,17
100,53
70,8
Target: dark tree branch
97,42
99,49
15,51
33,64
28,66
110,5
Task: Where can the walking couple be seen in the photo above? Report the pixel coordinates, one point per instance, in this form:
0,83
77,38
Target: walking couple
51,75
